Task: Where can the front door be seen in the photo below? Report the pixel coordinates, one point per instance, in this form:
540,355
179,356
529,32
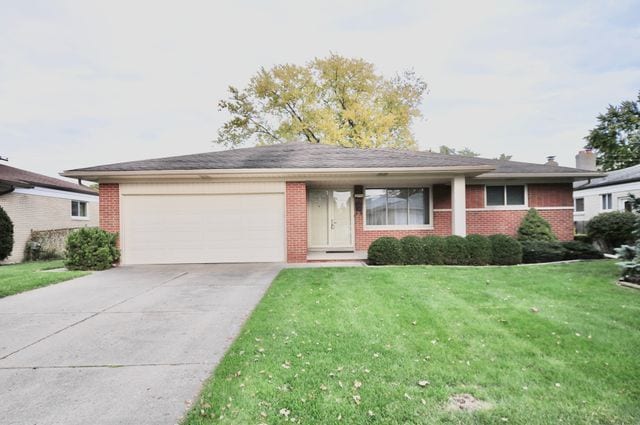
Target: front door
330,218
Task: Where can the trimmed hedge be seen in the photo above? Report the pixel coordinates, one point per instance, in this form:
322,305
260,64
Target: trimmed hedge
479,248
542,251
612,228
412,250
505,250
455,250
385,250
575,250
433,247
6,235
91,248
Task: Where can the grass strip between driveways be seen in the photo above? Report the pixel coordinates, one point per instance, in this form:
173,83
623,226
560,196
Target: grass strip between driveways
350,345
16,278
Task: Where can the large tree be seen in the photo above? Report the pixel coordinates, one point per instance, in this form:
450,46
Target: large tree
616,138
333,100
452,151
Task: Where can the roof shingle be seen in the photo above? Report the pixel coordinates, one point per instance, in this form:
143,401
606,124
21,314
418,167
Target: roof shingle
300,155
16,177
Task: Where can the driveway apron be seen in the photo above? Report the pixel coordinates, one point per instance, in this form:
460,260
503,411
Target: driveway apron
131,345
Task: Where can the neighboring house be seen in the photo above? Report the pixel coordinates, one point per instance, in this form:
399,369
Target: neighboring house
37,202
604,194
298,202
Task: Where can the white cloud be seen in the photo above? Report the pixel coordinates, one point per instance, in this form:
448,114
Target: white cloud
84,83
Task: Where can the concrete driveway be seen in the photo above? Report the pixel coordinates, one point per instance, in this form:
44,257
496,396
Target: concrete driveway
130,345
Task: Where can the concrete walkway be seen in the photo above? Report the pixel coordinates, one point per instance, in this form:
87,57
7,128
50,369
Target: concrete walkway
130,345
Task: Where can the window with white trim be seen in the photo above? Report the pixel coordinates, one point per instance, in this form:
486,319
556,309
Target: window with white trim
607,201
397,207
579,205
505,195
79,209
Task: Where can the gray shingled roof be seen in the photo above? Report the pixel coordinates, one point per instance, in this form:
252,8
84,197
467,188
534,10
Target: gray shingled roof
626,175
16,177
300,155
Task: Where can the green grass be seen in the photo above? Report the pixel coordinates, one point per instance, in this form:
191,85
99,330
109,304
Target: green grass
16,278
466,330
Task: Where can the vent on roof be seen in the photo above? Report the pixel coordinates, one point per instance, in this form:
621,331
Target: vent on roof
551,160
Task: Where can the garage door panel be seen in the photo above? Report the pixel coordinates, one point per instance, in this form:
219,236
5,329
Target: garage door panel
203,228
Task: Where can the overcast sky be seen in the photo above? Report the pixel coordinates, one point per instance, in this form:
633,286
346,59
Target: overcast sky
91,82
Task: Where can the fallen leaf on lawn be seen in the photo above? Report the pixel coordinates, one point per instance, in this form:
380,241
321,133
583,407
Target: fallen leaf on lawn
557,385
286,364
414,323
376,355
407,396
340,384
357,384
423,383
285,412
323,387
370,412
534,310
423,401
339,417
356,399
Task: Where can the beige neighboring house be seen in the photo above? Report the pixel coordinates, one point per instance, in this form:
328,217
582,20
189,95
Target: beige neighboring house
37,202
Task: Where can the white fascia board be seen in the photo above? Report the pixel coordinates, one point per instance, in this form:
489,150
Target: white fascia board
570,176
285,173
54,193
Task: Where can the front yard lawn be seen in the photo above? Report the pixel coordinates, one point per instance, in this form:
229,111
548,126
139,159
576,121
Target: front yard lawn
17,278
538,344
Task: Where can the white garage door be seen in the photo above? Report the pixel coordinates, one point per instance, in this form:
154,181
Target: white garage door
202,228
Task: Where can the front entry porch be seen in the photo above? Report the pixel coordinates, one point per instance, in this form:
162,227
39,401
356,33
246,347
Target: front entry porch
336,220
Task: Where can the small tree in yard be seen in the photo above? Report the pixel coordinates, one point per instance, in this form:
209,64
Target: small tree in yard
91,249
631,254
6,235
535,228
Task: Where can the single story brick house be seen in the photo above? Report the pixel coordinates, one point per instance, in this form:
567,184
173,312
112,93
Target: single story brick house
299,202
37,202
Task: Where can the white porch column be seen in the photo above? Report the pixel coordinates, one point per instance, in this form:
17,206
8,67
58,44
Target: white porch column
458,206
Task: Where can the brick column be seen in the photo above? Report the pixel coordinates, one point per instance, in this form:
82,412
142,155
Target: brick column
110,207
296,219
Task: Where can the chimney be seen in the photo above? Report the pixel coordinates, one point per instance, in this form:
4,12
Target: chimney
551,160
586,160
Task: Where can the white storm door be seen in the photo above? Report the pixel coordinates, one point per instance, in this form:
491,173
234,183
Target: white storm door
340,221
330,216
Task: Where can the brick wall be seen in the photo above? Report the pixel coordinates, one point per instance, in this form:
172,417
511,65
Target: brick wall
296,219
550,195
554,202
110,207
441,227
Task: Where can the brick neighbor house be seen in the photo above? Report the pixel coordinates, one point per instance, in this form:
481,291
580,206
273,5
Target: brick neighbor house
36,202
299,202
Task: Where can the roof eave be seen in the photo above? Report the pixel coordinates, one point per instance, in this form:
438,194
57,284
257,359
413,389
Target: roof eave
275,172
576,175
